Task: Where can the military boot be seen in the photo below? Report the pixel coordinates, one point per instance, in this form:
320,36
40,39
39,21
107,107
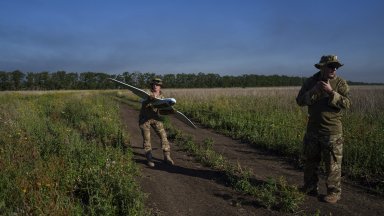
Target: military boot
148,155
332,198
168,159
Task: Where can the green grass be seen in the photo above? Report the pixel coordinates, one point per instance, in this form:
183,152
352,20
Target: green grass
64,154
273,194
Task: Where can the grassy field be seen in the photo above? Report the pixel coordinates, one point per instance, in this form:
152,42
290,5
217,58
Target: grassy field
270,119
63,153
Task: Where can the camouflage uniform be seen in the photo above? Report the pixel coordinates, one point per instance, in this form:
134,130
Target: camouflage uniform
148,118
323,138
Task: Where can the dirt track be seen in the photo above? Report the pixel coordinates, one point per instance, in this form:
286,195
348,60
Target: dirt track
188,188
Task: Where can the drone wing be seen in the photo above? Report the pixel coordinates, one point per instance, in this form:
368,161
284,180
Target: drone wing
178,115
165,105
184,119
139,92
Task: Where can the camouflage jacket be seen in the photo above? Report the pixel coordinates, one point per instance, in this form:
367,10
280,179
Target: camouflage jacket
325,112
147,111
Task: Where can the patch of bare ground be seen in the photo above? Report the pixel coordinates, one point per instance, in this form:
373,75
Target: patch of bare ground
188,188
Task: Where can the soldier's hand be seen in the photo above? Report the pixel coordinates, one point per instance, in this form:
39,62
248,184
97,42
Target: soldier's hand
325,86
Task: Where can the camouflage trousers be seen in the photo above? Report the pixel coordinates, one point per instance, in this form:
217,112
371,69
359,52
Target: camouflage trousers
146,133
330,149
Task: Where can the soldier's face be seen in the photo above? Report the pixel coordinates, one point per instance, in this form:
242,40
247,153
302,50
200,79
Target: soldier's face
156,87
329,71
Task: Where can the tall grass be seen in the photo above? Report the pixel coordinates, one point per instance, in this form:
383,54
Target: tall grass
64,154
267,117
271,119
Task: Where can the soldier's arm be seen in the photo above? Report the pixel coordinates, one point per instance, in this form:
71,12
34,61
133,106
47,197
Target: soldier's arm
148,101
340,98
308,94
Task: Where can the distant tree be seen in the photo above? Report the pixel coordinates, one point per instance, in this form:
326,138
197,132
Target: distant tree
59,80
169,80
44,81
17,80
5,84
31,81
87,80
102,80
128,78
145,79
72,80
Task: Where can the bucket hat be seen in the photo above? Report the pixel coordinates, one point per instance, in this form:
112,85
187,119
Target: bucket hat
157,81
328,59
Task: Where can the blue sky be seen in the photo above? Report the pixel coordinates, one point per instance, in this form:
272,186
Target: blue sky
226,37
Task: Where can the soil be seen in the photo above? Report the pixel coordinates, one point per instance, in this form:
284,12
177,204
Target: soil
188,188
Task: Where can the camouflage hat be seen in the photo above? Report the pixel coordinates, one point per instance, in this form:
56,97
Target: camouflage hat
328,59
157,81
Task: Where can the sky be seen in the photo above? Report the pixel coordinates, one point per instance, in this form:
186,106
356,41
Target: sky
225,37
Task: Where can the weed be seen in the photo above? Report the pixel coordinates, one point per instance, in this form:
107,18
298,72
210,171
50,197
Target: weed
62,154
270,194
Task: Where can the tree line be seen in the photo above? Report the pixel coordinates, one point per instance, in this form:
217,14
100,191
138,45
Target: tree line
61,80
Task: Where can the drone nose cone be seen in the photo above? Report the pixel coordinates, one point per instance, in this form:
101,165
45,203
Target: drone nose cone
172,101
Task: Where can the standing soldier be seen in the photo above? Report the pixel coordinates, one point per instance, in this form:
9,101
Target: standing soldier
149,117
326,95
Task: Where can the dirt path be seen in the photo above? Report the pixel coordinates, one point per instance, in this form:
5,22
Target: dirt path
188,188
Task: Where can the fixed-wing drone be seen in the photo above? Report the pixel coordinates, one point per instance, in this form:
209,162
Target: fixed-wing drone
165,105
